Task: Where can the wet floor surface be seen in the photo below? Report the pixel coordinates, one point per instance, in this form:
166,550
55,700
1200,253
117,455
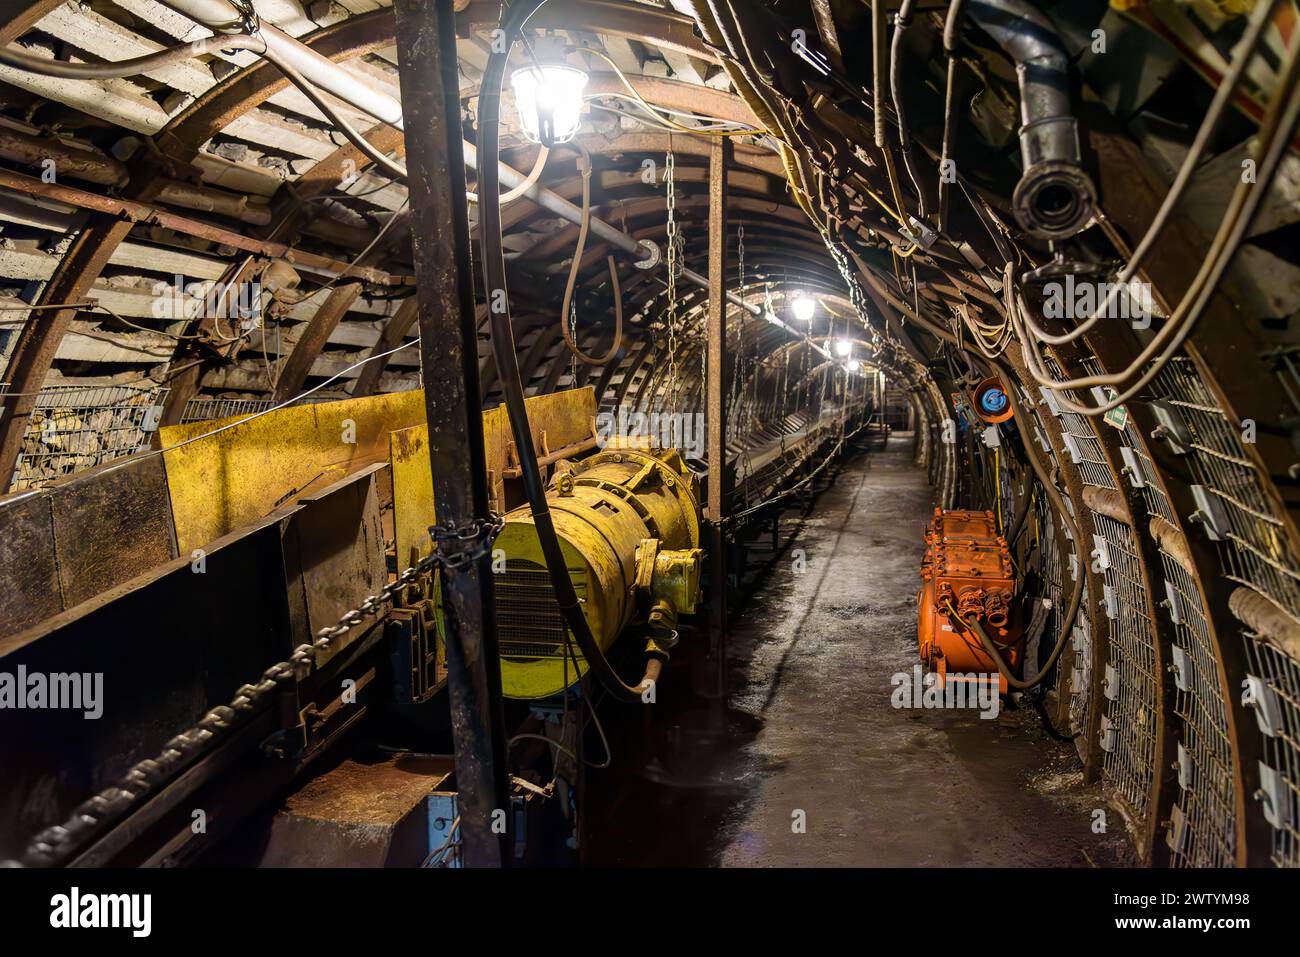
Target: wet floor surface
807,762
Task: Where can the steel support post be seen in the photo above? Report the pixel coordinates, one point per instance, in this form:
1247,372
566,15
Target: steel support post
426,47
719,160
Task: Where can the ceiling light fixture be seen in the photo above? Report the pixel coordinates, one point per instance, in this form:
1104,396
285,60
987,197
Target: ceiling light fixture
549,99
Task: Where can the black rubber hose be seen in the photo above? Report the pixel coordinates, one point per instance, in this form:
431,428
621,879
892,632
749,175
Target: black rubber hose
503,348
901,23
949,106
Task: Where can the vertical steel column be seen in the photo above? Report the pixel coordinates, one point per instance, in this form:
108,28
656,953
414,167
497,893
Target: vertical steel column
426,48
719,159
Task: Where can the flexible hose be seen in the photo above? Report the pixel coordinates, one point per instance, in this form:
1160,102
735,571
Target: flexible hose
903,21
533,175
1273,139
120,69
949,107
392,167
503,349
584,167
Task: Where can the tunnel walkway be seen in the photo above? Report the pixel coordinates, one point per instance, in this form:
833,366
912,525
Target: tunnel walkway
810,726
882,786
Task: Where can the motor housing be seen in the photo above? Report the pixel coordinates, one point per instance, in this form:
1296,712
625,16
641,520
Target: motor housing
628,523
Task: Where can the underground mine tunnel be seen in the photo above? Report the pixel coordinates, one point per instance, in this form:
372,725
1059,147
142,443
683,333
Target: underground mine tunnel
625,433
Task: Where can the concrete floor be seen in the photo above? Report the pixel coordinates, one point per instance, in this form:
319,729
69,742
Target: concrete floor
808,732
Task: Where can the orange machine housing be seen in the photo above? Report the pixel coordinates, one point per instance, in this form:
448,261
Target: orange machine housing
968,564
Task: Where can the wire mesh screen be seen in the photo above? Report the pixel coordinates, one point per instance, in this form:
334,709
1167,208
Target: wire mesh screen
1153,495
1051,585
1083,445
202,409
1255,550
1205,756
1060,571
1131,684
1280,730
73,428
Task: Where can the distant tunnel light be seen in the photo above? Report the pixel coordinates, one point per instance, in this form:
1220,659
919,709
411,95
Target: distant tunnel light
843,347
803,306
549,100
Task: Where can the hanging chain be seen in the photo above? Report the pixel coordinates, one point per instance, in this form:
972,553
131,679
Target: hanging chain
573,337
455,548
673,267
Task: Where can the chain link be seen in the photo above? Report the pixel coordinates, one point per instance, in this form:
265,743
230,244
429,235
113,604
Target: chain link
671,248
456,547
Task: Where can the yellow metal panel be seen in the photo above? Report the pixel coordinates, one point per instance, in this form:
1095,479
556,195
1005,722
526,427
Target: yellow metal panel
565,418
237,476
412,494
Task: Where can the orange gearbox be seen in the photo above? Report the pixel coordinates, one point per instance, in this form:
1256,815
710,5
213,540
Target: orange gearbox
967,566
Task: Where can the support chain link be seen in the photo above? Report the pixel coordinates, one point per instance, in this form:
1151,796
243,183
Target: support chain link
671,249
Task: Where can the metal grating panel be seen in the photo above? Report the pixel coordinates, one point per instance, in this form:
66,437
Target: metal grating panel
204,409
1051,572
1207,795
1092,464
73,428
200,410
1280,674
529,622
1255,550
1131,713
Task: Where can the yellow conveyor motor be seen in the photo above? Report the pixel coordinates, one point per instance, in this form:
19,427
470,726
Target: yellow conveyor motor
628,521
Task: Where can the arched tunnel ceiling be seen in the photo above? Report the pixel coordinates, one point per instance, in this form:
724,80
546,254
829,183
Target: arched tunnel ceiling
233,125
251,132
203,171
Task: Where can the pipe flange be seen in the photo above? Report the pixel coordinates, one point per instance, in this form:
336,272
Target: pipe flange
1054,200
651,256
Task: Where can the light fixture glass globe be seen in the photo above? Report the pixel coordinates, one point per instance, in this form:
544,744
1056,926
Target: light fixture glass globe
854,365
550,94
803,307
843,347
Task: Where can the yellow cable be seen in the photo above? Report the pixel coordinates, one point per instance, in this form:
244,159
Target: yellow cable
997,484
663,117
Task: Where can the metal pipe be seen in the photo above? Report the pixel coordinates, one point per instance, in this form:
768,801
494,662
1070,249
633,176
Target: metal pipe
1055,197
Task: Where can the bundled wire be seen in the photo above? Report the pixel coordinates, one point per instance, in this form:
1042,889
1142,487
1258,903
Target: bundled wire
1270,145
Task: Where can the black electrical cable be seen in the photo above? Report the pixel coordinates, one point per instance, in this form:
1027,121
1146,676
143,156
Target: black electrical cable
901,23
503,349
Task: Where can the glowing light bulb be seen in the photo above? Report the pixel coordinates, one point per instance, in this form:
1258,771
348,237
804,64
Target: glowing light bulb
843,347
803,307
854,365
549,100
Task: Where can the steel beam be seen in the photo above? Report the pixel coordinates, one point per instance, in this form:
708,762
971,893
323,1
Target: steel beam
426,48
38,343
716,416
394,331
